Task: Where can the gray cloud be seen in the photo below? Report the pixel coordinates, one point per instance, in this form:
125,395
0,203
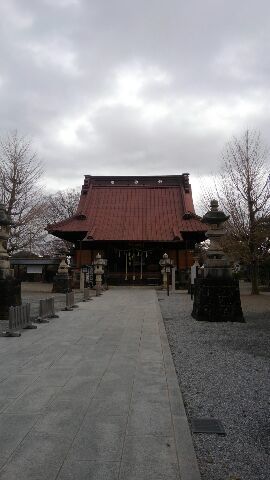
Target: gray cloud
133,87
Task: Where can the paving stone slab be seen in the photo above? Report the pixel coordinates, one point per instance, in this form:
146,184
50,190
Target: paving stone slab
62,418
150,418
102,392
149,449
55,377
34,400
114,425
13,428
14,385
187,461
99,447
78,403
130,471
115,404
89,471
81,385
39,456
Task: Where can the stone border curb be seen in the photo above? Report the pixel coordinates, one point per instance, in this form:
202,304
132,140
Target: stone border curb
188,464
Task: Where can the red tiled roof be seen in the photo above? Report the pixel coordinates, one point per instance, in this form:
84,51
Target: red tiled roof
124,210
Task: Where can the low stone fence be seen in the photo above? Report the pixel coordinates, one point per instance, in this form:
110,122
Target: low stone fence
46,310
19,318
41,311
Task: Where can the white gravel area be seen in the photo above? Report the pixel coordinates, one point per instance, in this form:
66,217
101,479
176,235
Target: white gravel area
223,372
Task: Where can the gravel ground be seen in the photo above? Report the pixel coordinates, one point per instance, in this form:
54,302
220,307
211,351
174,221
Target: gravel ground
223,372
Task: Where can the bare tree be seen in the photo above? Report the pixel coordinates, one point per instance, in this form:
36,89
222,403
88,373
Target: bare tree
20,173
62,204
59,206
243,190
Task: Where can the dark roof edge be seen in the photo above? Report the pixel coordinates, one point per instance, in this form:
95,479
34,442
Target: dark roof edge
136,181
136,176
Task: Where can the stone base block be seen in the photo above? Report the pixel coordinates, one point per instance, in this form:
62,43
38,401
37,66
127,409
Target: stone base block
217,300
10,295
61,283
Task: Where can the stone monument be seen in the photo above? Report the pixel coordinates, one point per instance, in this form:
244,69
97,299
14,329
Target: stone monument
216,294
10,288
62,280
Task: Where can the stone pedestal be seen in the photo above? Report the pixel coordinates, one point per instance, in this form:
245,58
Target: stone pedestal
217,300
10,295
98,284
62,280
164,279
61,283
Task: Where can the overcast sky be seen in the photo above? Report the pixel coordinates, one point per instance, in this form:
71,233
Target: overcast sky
133,87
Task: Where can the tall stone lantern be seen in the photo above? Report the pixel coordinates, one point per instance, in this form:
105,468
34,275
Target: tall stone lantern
99,263
216,294
10,288
165,264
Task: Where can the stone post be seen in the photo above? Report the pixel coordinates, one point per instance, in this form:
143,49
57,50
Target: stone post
82,280
216,294
10,288
164,278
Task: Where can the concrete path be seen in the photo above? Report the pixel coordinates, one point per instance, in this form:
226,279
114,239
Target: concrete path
93,395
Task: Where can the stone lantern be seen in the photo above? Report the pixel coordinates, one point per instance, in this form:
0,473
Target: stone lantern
62,280
216,294
166,264
99,264
216,264
10,288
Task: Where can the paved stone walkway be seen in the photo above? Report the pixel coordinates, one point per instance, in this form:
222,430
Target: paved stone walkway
93,395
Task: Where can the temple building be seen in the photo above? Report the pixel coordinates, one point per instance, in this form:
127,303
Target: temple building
132,221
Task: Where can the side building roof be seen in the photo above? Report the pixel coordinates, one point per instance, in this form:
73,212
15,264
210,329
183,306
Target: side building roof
156,208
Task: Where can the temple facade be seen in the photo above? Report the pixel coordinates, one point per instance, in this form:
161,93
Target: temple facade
132,221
